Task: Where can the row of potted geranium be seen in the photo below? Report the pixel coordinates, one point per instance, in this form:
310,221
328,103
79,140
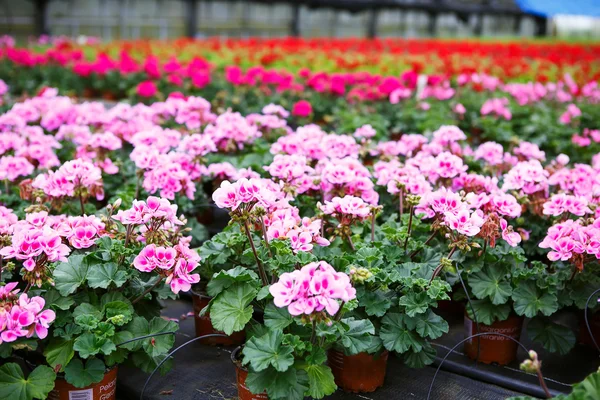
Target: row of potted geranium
474,211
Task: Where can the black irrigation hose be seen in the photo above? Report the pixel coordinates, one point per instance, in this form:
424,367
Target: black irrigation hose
462,282
145,337
587,322
171,354
461,342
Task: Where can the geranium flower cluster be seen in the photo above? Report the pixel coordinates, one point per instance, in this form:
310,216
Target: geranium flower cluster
22,316
572,240
316,287
76,178
175,263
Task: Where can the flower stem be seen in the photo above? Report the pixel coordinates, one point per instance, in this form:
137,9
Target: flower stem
261,271
543,383
429,239
373,227
401,204
350,243
410,218
264,231
313,335
82,205
438,269
140,297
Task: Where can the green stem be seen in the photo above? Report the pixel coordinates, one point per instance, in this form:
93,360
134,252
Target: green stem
410,218
264,231
140,297
261,271
429,239
438,269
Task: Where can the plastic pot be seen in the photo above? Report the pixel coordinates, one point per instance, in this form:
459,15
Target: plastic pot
241,373
360,373
106,389
204,326
494,348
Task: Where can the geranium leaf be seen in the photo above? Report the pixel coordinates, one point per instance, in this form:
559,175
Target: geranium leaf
14,385
397,336
102,275
80,375
154,346
55,301
224,279
267,350
490,282
68,276
59,352
431,325
415,303
118,312
421,358
231,310
320,381
89,344
376,303
554,337
276,317
486,312
529,300
356,335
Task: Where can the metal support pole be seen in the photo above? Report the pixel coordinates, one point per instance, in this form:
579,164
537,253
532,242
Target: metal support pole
372,26
295,22
41,17
191,26
432,23
541,26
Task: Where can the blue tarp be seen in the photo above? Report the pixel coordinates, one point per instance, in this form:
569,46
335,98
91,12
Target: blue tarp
550,8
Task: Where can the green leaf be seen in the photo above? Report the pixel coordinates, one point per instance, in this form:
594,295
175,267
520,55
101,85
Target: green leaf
491,282
263,293
529,300
431,325
356,335
486,312
231,310
376,303
68,276
421,358
554,337
156,345
80,375
56,301
267,350
320,381
415,303
86,309
277,318
291,384
397,335
59,352
118,312
102,275
14,386
87,322
224,279
89,344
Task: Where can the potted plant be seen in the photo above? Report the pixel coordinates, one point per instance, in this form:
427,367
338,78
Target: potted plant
103,279
286,356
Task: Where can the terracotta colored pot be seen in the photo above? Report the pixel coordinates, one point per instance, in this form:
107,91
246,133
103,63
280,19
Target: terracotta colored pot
103,390
204,325
87,93
584,335
241,373
360,373
494,348
110,96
